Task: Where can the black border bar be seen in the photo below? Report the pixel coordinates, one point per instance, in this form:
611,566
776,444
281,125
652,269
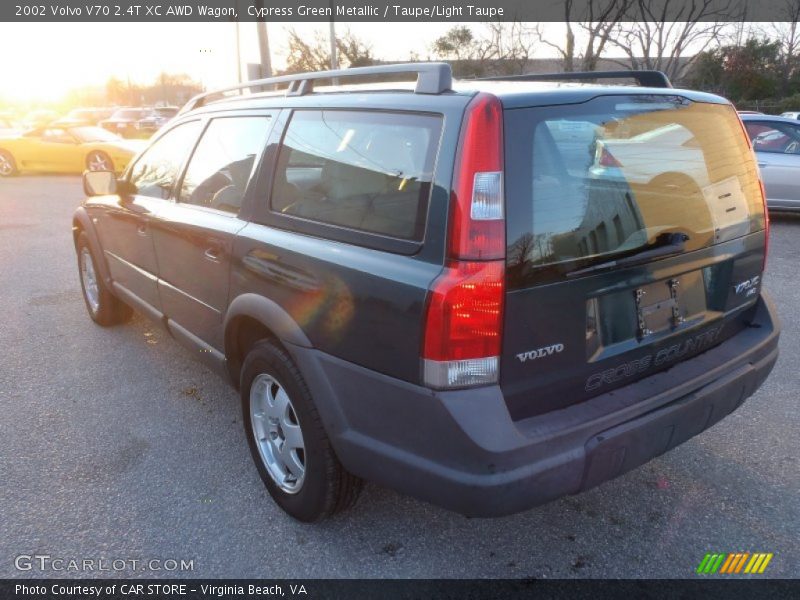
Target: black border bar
388,11
718,588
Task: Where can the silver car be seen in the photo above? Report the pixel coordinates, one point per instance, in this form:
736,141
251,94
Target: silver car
776,141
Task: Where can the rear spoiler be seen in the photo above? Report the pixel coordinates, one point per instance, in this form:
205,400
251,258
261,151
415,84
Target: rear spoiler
655,79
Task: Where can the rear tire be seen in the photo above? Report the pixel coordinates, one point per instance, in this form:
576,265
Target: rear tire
8,166
301,472
104,308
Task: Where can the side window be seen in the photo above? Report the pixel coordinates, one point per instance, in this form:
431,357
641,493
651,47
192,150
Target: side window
774,137
368,171
221,165
57,136
155,172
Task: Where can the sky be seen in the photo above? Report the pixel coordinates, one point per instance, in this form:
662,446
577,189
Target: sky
53,58
43,61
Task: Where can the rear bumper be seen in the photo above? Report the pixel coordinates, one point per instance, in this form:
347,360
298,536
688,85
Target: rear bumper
462,451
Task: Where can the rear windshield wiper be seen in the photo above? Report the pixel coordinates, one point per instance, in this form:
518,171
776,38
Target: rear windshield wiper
666,244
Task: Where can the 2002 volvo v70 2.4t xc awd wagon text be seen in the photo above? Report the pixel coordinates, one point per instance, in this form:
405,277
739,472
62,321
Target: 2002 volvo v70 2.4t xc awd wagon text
485,294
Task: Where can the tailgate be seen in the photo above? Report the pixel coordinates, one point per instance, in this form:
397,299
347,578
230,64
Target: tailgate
597,298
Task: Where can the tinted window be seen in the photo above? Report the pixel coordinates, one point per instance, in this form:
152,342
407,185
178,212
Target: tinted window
155,172
58,136
127,113
367,171
782,138
221,165
93,134
611,176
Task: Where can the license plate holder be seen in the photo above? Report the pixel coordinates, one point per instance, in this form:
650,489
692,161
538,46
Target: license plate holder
658,307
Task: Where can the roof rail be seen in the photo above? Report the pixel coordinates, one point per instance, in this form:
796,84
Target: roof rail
432,78
655,79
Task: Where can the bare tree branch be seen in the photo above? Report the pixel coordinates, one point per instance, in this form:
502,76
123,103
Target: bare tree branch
655,37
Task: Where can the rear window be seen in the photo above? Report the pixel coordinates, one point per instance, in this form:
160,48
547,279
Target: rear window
366,171
590,182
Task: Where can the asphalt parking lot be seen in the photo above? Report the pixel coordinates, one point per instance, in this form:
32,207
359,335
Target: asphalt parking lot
117,444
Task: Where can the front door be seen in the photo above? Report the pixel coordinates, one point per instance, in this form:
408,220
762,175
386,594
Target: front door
194,235
127,235
54,151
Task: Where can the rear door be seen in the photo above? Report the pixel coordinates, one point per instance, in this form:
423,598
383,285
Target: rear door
632,222
194,235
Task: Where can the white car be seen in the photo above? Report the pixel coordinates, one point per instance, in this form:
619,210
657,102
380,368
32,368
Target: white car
776,141
791,115
642,158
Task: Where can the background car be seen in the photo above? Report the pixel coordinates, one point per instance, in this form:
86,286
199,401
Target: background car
83,116
159,117
776,141
666,153
8,126
791,115
65,150
123,121
39,118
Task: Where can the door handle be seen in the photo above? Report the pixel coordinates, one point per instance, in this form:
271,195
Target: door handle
141,230
213,253
762,165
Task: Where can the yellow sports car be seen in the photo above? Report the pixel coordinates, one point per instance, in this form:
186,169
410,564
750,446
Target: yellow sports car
66,150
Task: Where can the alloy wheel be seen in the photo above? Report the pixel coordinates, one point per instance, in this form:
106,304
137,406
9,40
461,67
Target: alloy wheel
6,168
277,433
98,161
89,279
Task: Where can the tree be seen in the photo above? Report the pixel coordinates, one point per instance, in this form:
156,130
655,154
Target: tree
458,44
598,20
654,36
119,92
787,34
744,72
500,48
305,56
354,52
314,54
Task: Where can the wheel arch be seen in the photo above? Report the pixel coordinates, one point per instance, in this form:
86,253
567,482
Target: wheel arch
82,223
251,318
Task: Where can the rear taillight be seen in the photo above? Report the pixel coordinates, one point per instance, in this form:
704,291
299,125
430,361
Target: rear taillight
477,217
464,317
607,159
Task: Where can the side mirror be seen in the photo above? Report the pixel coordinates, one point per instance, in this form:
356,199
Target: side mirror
99,183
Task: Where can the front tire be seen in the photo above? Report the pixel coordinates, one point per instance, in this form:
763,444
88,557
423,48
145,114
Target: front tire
8,166
97,160
104,308
290,448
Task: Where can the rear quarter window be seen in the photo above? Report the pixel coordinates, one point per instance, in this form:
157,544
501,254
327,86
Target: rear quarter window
369,172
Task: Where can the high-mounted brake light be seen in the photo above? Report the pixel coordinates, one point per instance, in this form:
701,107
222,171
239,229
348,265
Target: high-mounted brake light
464,317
